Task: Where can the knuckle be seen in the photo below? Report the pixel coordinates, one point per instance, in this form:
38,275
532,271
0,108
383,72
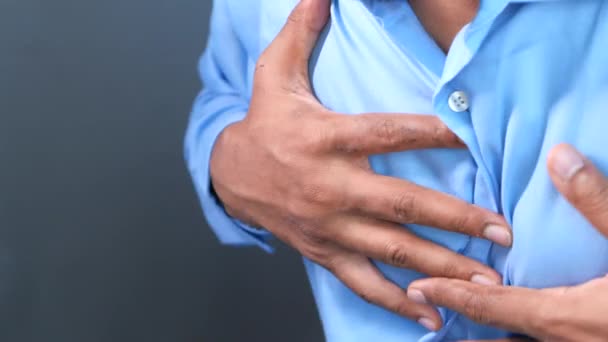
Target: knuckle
317,253
331,262
312,193
602,190
387,130
293,210
313,236
309,144
459,224
477,304
401,307
594,198
464,222
404,207
319,195
450,270
310,205
474,308
398,254
320,138
339,135
315,246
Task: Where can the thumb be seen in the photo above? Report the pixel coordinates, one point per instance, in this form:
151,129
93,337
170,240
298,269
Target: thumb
290,52
581,183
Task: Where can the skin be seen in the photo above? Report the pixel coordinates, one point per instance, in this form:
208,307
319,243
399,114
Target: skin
560,314
565,314
443,19
302,172
312,186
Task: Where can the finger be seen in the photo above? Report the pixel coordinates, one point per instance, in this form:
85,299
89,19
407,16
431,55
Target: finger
289,54
400,201
395,245
361,276
581,183
510,308
382,133
518,339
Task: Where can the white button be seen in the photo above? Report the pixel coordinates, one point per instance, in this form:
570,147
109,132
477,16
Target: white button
459,101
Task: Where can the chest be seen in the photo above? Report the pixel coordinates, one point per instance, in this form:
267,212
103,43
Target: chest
533,87
529,86
443,19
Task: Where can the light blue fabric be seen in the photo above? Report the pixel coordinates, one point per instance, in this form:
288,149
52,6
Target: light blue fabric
536,73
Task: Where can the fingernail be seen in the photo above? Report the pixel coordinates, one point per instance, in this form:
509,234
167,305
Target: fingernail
498,234
567,163
483,280
416,296
427,323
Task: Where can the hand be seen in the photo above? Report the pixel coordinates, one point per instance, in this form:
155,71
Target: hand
573,314
302,172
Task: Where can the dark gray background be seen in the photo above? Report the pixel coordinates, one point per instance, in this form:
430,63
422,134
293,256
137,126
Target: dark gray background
101,236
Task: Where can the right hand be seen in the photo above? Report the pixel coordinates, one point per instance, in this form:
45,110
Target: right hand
302,172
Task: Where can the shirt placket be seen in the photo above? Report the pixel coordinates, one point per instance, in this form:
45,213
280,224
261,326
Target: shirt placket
454,102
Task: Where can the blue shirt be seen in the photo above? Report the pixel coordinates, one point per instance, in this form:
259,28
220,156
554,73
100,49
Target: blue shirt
535,74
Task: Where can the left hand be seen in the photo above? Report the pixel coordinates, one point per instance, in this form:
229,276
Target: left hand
573,314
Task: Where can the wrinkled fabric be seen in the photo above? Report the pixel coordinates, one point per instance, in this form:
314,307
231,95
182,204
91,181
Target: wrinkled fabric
536,75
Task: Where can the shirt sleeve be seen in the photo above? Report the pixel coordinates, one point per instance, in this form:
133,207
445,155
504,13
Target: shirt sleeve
223,101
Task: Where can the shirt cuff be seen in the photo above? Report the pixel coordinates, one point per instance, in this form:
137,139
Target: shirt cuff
231,231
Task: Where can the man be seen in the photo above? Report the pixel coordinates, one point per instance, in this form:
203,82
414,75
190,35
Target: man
337,186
